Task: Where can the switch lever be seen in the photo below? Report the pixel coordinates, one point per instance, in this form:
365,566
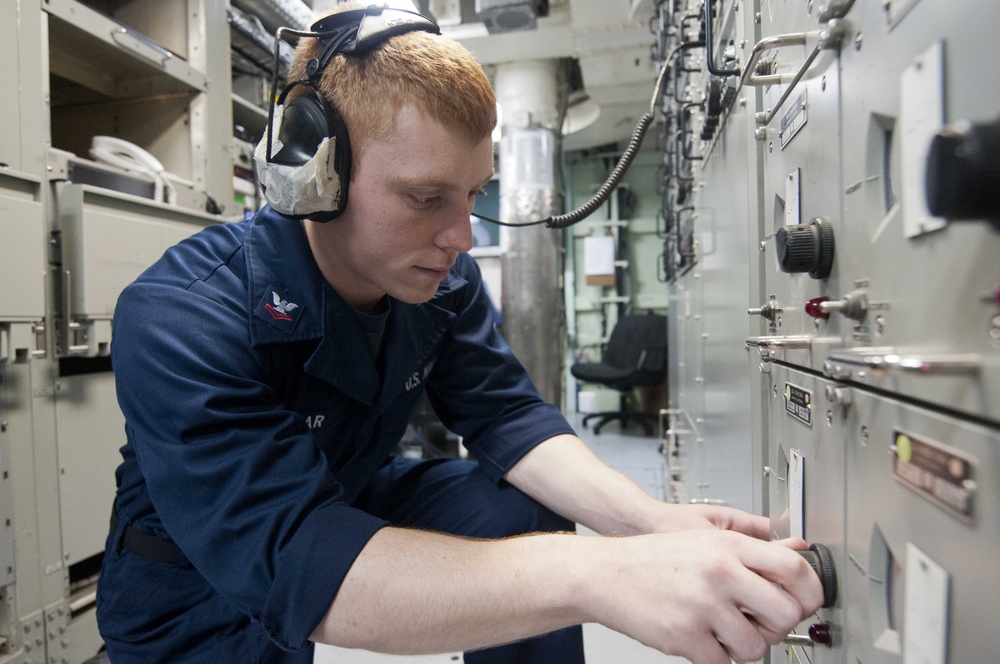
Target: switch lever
819,634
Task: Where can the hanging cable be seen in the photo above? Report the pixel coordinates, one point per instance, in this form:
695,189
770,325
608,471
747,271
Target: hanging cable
599,198
709,54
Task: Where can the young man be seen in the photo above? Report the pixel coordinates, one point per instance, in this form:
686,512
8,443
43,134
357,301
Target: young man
267,369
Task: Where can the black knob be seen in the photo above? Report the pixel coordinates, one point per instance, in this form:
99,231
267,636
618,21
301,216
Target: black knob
713,97
963,172
821,560
806,248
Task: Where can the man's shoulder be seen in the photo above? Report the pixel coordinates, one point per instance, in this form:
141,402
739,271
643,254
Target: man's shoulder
199,255
206,265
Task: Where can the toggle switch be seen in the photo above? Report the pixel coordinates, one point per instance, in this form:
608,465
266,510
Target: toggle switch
821,560
768,310
854,305
819,635
806,248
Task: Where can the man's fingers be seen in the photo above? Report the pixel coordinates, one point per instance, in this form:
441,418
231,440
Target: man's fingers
740,635
771,607
782,565
770,636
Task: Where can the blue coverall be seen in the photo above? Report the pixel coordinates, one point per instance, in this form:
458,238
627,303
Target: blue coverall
260,439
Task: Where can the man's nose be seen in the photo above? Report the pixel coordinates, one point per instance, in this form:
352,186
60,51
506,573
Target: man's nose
457,234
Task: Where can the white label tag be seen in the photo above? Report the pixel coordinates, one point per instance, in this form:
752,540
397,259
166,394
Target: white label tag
926,610
796,480
921,116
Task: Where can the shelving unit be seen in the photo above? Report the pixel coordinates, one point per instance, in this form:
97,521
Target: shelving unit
74,231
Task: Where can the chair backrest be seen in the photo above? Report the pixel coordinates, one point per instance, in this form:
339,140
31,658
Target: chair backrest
639,341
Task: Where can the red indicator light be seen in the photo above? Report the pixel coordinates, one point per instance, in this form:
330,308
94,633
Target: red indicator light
813,309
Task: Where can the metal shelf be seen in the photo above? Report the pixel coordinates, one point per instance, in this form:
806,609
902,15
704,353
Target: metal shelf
109,58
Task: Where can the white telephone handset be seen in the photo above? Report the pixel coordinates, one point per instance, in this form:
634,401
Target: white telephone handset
121,153
130,157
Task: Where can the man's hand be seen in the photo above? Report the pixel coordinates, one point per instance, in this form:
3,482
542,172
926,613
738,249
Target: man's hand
671,518
705,594
708,595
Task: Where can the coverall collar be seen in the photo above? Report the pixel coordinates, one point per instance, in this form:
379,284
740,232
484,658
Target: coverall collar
292,302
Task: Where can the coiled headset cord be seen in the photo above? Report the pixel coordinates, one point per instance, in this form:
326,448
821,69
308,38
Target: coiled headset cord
598,199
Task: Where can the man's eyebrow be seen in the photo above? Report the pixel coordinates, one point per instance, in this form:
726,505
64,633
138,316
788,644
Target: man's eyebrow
433,183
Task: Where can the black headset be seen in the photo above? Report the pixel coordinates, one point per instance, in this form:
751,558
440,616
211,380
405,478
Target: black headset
309,119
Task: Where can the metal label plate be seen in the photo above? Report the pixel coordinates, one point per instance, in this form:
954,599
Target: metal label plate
798,403
934,471
794,119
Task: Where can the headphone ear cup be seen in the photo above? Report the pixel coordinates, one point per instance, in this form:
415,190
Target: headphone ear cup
341,163
305,123
342,156
303,128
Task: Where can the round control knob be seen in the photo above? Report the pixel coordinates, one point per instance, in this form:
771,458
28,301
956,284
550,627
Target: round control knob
821,560
806,248
963,172
713,97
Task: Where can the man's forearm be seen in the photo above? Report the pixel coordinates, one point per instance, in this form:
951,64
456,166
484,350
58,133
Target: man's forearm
565,476
417,592
703,594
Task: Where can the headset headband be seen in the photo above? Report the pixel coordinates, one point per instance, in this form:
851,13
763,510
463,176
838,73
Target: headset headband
355,32
370,26
310,174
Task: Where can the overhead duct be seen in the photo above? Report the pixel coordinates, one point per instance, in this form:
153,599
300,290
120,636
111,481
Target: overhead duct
511,15
254,45
279,13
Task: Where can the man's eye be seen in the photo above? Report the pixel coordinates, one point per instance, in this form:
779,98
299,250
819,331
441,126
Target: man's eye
422,201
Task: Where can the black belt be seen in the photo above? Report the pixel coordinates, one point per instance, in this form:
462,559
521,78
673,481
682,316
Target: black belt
146,545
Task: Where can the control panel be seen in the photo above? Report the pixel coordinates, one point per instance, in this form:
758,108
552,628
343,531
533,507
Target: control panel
830,181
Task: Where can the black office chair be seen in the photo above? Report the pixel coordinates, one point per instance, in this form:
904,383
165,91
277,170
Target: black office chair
636,354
